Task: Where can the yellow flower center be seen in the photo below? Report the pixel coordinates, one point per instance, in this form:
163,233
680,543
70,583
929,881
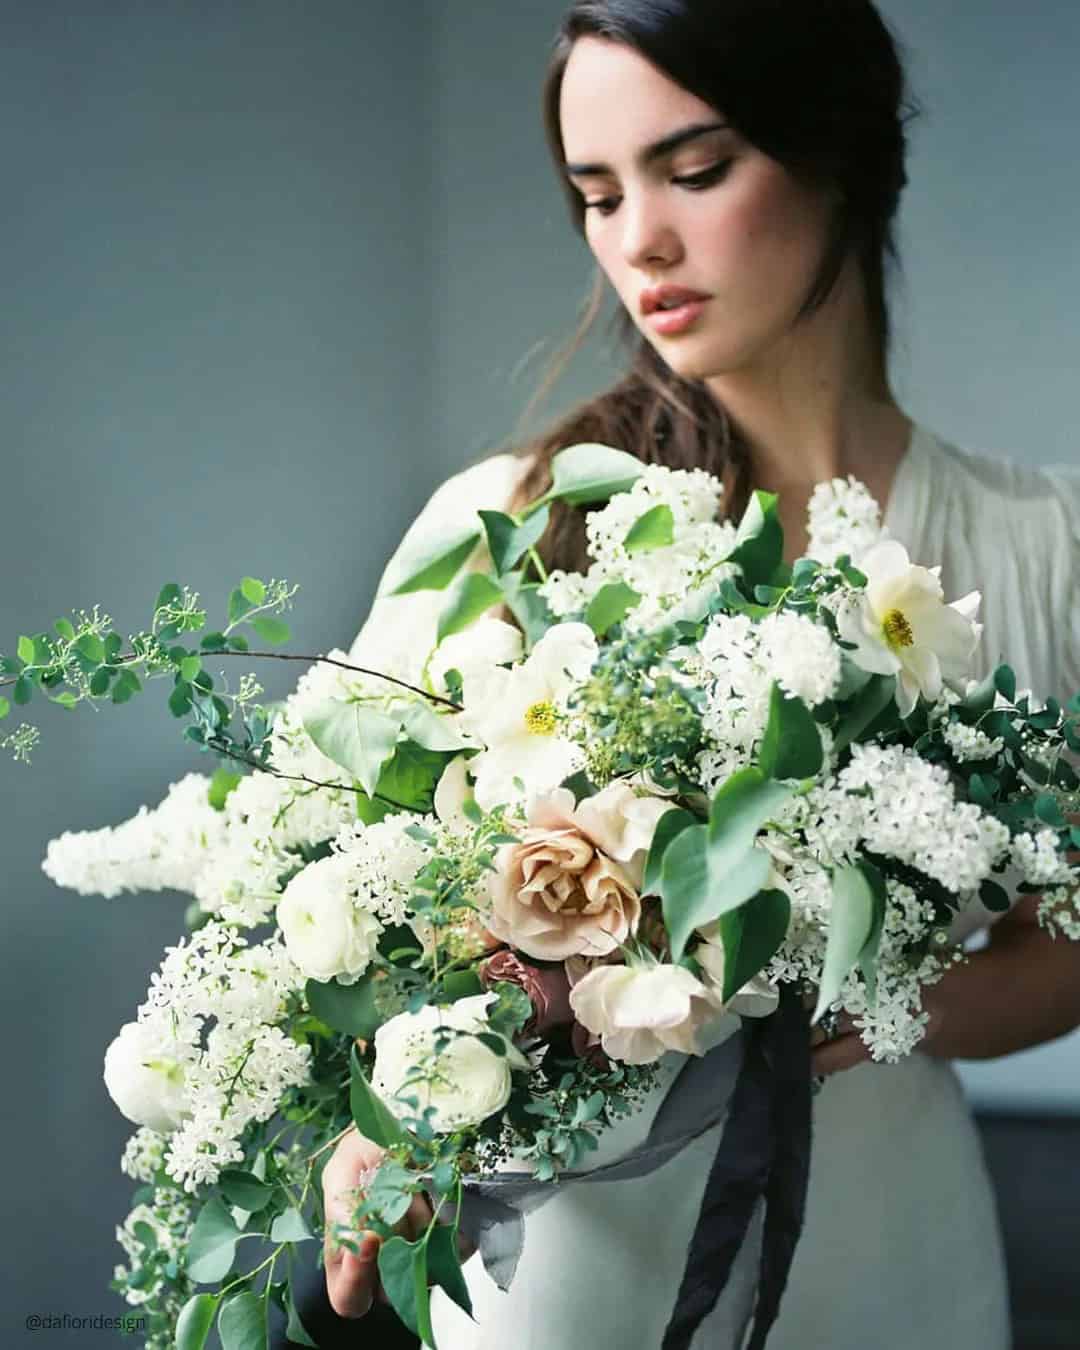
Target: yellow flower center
540,719
897,630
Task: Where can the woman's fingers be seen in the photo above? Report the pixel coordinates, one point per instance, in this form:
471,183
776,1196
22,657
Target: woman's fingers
352,1279
842,1052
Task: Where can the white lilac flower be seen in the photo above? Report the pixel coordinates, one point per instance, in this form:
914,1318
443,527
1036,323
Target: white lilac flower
842,517
969,743
800,655
901,625
1040,863
143,1154
515,714
383,861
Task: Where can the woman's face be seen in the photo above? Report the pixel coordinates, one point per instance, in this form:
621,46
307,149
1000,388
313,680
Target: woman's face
713,214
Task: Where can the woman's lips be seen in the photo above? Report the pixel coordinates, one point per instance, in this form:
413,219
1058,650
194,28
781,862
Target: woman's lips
668,321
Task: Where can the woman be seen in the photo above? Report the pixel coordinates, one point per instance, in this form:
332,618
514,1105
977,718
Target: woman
745,158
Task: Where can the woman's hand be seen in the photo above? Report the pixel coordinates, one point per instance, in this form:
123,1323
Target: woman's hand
352,1280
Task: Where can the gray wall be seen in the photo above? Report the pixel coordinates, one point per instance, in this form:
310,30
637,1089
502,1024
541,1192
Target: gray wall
274,270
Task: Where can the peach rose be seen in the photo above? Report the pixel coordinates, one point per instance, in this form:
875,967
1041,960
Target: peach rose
554,893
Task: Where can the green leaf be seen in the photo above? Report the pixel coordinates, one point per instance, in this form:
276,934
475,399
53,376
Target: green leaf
242,1323
23,690
1005,682
410,776
851,924
66,700
759,542
239,605
99,681
221,785
289,1226
444,1265
459,984
360,739
349,1008
610,605
528,607
508,541
179,699
244,1189
25,650
168,595
670,824
869,954
295,1330
91,647
472,594
190,666
791,746
751,937
429,560
865,708
429,729
994,897
655,529
195,1320
253,590
397,1260
589,472
371,1116
212,1244
1048,810
274,631
65,629
5,707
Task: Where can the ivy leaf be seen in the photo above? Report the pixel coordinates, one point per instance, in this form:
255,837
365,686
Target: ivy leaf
430,560
359,739
253,590
508,541
751,936
670,824
759,542
274,631
589,472
195,1320
371,1116
791,746
444,1265
348,1008
655,529
851,924
472,594
212,1244
242,1323
610,605
289,1226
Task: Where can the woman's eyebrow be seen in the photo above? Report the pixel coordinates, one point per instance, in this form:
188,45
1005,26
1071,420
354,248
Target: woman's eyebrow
650,153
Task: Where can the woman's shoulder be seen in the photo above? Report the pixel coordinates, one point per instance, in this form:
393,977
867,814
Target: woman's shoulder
992,477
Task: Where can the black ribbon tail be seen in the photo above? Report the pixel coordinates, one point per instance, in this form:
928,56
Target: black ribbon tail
790,1174
763,1155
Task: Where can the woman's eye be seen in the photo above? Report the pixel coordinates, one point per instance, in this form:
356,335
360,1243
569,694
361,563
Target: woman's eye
604,206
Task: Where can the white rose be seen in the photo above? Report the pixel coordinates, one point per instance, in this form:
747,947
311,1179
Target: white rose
145,1078
326,931
639,1012
473,1082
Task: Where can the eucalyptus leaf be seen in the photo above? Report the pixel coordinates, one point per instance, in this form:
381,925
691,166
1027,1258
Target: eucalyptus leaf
212,1244
242,1322
371,1116
357,738
751,937
289,1226
396,1271
655,529
851,922
759,541
508,541
244,1189
429,560
791,745
589,472
349,1008
471,595
864,710
195,1320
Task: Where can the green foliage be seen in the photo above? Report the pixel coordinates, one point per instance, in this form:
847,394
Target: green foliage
370,1115
858,899
508,539
357,738
751,936
242,1322
862,714
271,629
429,560
222,783
289,1226
212,1245
655,529
589,472
529,608
195,1320
791,745
759,543
472,595
609,606
670,824
253,591
244,1189
403,1272
349,1008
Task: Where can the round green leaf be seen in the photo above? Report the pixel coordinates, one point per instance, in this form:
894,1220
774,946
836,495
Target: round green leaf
274,631
212,1244
195,1320
242,1323
655,529
791,746
590,472
610,605
253,590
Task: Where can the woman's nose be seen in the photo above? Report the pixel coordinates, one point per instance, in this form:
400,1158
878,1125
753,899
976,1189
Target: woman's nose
648,234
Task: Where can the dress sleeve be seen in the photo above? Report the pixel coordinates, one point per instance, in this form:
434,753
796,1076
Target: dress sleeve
399,631
1066,482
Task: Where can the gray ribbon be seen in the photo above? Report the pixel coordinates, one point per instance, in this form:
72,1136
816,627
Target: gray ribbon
493,1208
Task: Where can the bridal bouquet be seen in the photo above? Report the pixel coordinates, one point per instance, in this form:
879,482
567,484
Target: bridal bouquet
469,901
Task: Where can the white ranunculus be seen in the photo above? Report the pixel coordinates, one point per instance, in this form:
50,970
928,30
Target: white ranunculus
472,1082
640,1012
327,932
145,1078
514,714
901,626
475,652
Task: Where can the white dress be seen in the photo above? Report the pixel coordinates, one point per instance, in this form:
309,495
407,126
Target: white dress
901,1248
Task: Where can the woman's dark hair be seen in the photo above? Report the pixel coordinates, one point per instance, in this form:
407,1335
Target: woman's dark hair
817,85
